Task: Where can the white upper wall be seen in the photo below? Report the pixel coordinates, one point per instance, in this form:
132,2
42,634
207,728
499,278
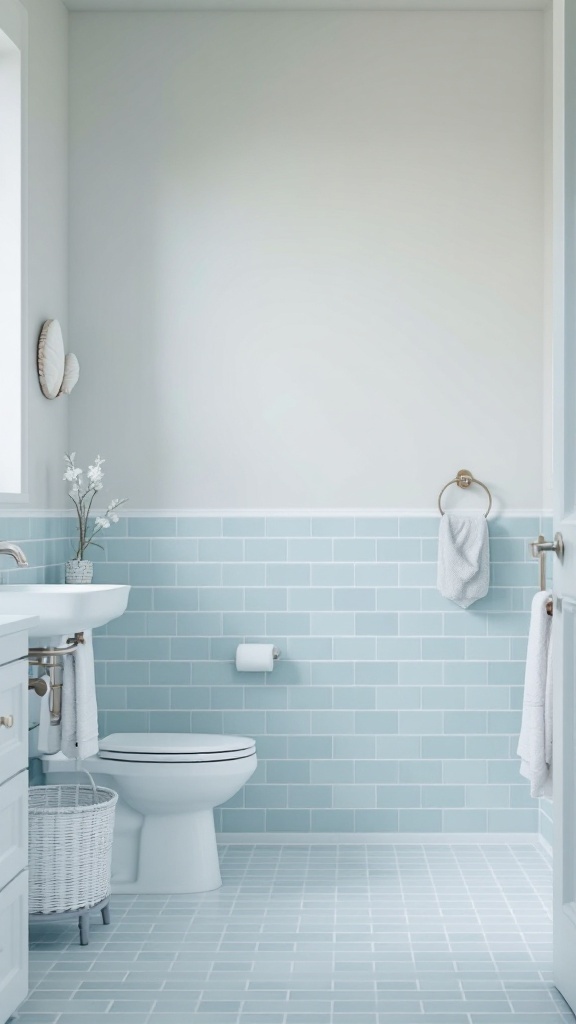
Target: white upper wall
306,255
47,243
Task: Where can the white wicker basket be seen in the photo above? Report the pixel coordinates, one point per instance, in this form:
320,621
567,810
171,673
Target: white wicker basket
70,846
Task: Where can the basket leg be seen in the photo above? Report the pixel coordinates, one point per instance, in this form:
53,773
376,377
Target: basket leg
84,926
106,914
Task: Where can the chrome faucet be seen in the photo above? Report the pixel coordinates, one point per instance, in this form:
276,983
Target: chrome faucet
8,548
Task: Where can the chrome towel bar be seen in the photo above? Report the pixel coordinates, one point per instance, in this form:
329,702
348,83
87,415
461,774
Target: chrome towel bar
539,549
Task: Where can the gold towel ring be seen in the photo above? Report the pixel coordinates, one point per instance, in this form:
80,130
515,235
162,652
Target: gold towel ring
464,478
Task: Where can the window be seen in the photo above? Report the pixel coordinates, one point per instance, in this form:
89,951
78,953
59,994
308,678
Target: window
10,267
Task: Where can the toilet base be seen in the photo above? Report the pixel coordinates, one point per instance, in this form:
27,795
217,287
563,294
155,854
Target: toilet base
177,854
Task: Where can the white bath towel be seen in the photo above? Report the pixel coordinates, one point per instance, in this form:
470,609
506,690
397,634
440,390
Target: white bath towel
79,709
549,712
535,743
463,558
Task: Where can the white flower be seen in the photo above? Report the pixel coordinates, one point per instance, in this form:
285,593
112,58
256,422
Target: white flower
83,495
95,473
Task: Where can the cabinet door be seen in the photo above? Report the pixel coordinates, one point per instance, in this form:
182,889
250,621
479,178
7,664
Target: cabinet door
13,827
13,945
14,710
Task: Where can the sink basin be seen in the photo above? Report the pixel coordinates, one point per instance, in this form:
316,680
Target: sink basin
64,608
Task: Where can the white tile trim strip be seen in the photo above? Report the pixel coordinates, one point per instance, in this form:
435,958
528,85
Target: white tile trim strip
381,839
243,513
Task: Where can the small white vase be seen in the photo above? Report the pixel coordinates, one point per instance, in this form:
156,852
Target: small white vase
79,570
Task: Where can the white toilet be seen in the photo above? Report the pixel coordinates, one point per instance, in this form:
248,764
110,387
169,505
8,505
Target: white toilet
168,785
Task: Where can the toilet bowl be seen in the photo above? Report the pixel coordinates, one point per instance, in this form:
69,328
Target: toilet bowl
168,785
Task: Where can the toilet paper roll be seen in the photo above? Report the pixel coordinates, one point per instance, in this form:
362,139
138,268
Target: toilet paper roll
255,657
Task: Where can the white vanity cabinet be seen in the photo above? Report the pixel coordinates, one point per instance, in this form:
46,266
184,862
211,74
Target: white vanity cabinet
13,813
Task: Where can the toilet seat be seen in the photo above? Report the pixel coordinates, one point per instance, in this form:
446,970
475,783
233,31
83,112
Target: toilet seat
174,748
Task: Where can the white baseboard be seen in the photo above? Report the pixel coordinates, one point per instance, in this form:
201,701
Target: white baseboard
546,848
379,838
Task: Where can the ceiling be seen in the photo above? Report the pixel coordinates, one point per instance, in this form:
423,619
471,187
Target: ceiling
303,5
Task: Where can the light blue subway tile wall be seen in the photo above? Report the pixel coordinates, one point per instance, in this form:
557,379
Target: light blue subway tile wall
46,542
391,709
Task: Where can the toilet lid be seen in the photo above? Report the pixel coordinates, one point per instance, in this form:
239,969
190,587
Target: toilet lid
174,747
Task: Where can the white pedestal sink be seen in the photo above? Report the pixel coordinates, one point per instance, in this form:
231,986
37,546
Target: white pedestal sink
63,607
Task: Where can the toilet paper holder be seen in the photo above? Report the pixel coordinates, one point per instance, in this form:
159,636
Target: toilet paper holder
256,657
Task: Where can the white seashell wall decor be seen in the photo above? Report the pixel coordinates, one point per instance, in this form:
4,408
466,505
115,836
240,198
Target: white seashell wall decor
58,373
71,373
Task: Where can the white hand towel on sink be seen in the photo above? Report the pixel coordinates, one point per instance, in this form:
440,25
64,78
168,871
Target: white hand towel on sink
79,709
463,558
535,743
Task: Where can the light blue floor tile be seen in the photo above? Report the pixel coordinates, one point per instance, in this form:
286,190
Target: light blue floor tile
318,934
37,1018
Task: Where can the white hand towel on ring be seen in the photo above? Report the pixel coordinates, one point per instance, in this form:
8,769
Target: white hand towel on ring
463,558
